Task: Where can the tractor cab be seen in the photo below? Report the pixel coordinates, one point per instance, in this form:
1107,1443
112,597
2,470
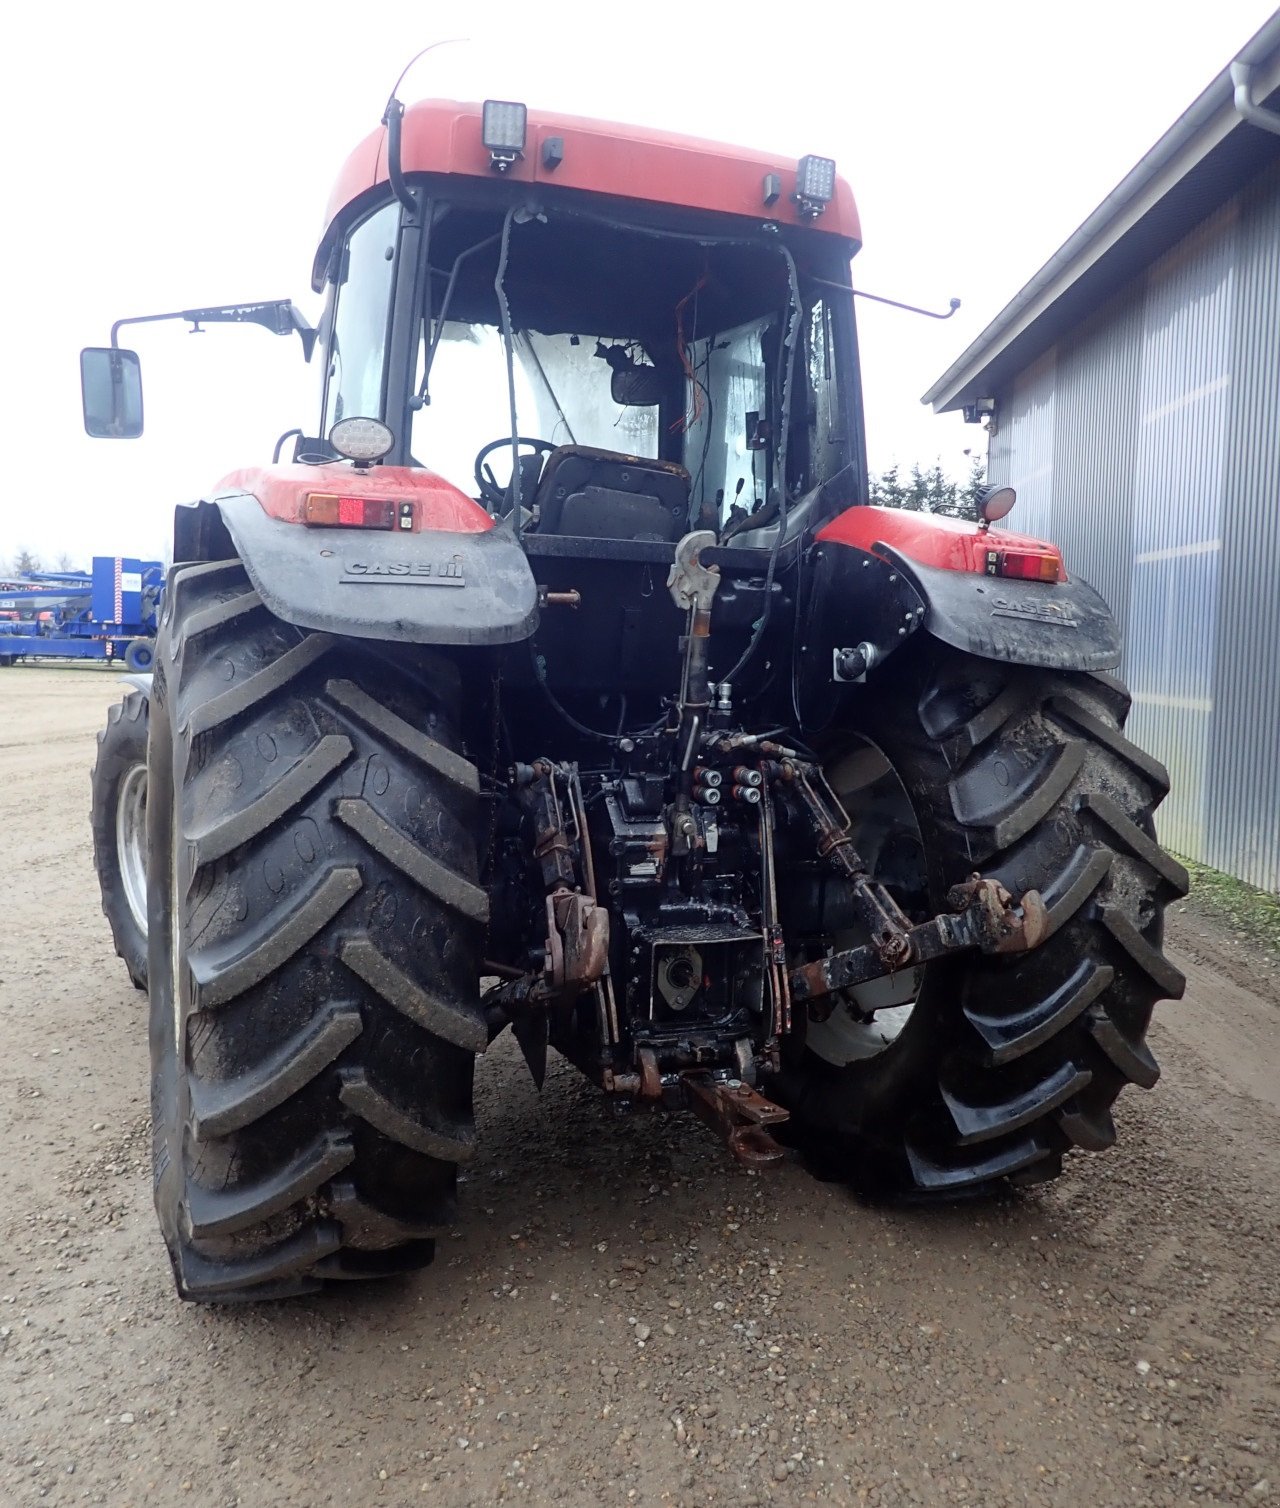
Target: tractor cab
587,324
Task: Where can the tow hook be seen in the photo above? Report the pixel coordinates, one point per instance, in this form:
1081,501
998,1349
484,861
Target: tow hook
739,1114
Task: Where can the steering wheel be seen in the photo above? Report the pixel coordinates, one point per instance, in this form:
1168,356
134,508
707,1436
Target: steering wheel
491,492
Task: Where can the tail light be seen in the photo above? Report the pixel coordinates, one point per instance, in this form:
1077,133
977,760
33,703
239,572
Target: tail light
333,510
1025,565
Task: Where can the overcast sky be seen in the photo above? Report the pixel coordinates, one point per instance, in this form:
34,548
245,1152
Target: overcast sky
162,155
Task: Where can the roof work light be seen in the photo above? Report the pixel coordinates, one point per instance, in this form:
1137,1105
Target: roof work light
815,185
502,129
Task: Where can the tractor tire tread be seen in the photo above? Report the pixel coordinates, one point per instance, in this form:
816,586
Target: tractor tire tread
281,1271
330,1014
220,979
1083,717
222,1106
219,614
257,688
241,827
1128,836
455,1144
448,887
443,1018
420,746
976,1123
221,1212
1007,1061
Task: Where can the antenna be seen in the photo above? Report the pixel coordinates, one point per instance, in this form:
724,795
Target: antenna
444,42
391,118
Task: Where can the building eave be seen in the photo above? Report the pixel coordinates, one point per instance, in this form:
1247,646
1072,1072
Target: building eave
1207,152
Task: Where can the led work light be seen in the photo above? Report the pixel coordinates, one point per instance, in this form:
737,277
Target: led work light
502,129
815,185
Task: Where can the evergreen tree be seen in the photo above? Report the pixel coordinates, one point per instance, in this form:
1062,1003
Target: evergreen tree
930,491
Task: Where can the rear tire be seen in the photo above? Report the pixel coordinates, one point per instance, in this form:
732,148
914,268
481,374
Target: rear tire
118,819
315,948
1007,1062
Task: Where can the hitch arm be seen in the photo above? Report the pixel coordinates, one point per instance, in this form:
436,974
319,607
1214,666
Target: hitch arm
984,917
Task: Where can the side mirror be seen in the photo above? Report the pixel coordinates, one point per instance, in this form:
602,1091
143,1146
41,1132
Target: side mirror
111,393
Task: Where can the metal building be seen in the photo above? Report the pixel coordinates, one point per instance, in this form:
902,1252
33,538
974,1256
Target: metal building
1132,393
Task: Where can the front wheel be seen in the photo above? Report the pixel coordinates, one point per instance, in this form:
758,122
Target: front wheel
118,817
984,1069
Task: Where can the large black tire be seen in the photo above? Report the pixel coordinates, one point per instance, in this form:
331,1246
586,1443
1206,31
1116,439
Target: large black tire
117,816
314,948
1005,1062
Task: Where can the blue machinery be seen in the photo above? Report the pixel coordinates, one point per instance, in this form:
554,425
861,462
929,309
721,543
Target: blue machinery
107,613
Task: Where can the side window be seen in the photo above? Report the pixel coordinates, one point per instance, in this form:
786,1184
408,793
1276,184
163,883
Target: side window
730,382
357,341
828,440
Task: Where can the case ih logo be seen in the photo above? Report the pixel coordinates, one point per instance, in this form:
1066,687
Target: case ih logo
405,572
1036,612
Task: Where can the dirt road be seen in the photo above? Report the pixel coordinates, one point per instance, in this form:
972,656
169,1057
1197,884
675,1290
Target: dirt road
625,1317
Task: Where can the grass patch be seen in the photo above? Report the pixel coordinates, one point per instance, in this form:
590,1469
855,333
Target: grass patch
1254,914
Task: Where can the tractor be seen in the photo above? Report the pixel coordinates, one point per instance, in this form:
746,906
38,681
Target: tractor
562,678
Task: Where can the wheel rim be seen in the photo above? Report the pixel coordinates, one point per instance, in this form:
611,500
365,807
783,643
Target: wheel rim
885,833
131,842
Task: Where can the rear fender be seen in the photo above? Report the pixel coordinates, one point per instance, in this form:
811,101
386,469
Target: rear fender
865,559
454,578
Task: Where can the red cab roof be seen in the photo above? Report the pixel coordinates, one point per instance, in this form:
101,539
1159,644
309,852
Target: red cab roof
443,136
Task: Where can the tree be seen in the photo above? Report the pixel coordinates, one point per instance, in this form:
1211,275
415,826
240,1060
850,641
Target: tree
64,562
930,491
25,560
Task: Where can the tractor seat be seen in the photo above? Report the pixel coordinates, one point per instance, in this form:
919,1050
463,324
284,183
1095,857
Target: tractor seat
602,494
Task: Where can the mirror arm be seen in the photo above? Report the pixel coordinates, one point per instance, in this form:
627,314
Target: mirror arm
136,319
280,316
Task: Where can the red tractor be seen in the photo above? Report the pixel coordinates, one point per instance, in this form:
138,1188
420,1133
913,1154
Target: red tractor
564,680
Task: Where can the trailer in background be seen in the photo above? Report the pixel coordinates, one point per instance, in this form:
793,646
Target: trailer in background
106,613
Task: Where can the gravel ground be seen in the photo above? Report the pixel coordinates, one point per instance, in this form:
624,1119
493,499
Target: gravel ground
625,1316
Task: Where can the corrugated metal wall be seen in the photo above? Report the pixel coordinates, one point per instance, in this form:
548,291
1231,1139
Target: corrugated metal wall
1148,445
1243,801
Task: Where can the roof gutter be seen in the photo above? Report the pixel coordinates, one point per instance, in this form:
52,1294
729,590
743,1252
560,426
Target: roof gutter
1206,123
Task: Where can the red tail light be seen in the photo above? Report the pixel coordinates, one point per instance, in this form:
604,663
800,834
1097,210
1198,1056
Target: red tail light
332,510
1025,565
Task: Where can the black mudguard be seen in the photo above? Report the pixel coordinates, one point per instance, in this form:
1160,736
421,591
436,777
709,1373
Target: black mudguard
850,597
433,587
1060,626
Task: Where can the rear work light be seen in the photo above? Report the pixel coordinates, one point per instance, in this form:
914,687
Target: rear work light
504,124
334,511
815,185
1024,565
